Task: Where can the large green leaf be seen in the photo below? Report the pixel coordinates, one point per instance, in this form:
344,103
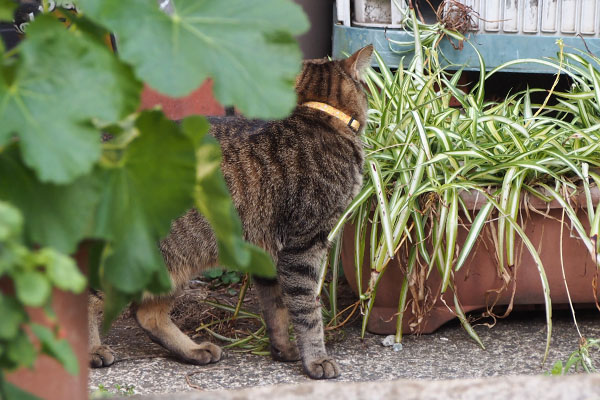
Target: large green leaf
32,287
55,215
56,348
213,200
15,393
13,315
7,7
11,220
144,190
20,350
63,80
11,224
246,47
114,303
62,270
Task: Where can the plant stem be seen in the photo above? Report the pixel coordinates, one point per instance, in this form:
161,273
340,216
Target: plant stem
241,297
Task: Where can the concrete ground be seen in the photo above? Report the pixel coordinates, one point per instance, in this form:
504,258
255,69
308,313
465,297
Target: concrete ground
513,388
515,346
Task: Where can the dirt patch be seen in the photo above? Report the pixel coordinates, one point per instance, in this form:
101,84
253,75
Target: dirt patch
192,311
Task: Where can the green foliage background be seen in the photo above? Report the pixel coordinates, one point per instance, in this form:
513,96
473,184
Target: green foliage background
60,185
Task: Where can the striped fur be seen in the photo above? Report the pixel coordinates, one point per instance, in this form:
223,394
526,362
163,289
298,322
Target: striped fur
290,180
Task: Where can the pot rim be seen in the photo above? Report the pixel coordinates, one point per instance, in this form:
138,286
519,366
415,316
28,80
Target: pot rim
474,200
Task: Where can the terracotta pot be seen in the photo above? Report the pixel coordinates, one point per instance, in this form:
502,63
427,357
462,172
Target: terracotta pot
48,379
200,102
478,281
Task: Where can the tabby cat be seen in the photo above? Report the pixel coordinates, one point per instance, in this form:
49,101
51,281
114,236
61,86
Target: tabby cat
290,181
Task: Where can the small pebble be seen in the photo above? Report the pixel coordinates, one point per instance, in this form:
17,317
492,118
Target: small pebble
388,341
397,347
444,339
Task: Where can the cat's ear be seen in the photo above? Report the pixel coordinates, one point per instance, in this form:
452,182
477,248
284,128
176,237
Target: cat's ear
358,62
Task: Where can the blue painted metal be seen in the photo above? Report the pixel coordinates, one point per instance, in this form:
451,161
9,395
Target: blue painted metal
496,49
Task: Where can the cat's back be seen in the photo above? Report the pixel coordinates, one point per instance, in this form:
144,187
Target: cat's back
234,127
298,174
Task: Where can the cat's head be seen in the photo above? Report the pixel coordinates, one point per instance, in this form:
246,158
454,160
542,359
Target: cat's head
338,83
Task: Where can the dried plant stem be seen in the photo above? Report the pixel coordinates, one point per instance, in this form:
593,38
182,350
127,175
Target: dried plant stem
562,267
345,321
243,289
551,91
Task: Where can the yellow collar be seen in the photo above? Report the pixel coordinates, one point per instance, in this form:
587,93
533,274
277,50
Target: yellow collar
334,112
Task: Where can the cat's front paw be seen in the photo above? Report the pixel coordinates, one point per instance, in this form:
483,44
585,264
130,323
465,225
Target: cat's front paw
322,368
101,356
289,354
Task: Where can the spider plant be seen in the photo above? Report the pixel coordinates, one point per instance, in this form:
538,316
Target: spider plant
423,157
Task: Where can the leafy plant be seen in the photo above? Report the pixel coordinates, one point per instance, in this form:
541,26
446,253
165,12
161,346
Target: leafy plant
103,392
222,276
61,89
33,273
425,156
580,360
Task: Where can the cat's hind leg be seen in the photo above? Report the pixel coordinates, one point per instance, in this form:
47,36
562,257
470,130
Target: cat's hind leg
152,315
277,319
189,249
298,269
